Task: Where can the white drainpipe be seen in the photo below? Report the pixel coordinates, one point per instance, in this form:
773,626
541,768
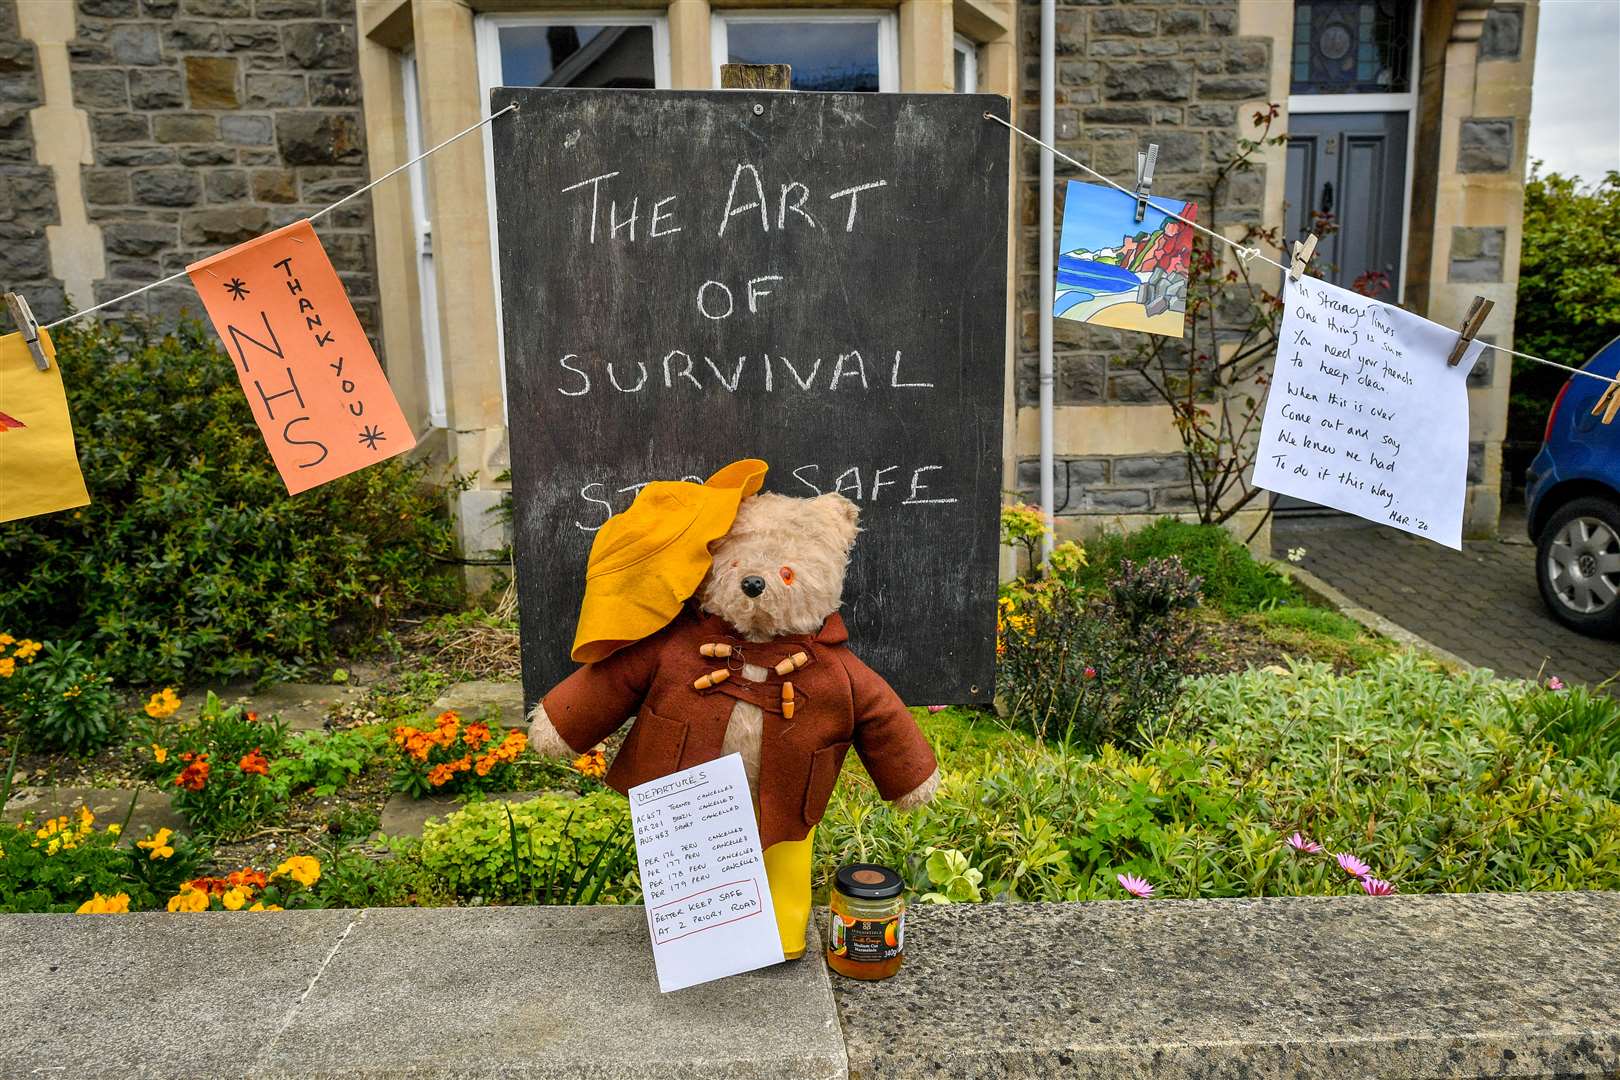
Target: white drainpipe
1048,124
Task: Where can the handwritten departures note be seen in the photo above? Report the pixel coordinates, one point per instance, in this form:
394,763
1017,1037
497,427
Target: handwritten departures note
702,875
320,397
1364,415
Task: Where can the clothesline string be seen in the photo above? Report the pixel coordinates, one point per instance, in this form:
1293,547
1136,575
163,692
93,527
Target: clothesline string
312,217
1247,253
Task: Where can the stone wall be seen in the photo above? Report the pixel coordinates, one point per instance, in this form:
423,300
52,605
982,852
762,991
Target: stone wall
27,189
1172,73
212,122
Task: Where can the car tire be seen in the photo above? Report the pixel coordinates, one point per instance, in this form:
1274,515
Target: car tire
1578,565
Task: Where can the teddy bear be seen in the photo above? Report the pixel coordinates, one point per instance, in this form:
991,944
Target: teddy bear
756,663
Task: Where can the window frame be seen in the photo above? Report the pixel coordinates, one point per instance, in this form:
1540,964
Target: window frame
888,24
968,49
422,245
487,50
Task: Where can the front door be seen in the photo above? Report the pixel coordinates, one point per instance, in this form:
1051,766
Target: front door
1347,171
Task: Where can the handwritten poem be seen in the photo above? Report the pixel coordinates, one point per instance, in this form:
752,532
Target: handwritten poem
308,370
702,875
1364,414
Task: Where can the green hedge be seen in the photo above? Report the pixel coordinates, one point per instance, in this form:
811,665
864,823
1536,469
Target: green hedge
191,561
1232,580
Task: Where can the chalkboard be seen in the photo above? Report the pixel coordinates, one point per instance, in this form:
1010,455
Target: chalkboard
818,280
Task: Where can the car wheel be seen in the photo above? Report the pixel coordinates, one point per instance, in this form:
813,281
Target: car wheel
1578,565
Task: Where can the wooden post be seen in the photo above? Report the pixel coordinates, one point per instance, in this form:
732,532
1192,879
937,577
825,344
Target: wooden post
756,76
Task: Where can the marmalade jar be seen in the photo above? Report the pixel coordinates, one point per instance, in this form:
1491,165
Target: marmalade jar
867,925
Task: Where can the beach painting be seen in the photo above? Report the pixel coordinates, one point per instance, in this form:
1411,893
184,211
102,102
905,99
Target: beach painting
1115,271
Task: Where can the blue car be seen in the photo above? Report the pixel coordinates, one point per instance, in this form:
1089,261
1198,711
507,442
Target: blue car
1573,498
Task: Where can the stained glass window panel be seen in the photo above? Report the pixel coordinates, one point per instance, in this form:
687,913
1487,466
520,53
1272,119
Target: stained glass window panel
1352,47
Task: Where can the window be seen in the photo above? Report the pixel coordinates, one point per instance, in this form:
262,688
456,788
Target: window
1353,46
595,50
966,54
426,283
827,51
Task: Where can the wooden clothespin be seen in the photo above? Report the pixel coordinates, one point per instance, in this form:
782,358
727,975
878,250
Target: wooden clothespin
1144,178
1477,311
1608,403
1302,255
29,327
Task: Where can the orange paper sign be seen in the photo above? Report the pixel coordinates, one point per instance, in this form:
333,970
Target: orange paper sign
39,469
309,372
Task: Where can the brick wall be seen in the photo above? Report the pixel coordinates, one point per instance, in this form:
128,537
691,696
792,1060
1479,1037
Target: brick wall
27,190
212,122
1171,73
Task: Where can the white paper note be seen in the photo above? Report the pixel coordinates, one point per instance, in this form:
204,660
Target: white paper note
1364,415
702,875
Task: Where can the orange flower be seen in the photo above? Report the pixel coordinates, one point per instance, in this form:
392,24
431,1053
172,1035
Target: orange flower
439,775
477,734
246,877
209,886
484,764
194,777
254,762
592,763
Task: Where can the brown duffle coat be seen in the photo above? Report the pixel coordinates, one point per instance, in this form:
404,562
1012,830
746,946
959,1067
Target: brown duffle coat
840,702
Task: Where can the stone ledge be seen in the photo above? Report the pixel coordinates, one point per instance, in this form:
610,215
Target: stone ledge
1439,986
1519,985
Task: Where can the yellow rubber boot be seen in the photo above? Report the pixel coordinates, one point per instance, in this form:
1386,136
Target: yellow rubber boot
787,868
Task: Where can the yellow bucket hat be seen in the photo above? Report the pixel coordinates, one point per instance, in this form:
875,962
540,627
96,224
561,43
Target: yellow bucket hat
648,561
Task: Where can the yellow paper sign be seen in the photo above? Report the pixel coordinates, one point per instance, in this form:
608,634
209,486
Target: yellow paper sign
39,468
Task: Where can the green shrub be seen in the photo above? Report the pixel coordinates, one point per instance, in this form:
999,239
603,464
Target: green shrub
353,879
1441,783
1580,722
1077,667
220,768
324,763
61,699
191,561
1231,579
553,849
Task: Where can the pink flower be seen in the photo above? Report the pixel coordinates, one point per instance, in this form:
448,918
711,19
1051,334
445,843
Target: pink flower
1352,865
1375,887
938,708
1090,672
1300,844
1134,885
1554,683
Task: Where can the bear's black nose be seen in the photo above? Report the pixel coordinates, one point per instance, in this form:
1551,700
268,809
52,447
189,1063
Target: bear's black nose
753,585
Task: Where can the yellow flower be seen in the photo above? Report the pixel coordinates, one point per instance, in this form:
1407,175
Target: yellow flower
86,819
189,899
303,869
6,639
159,754
116,904
54,846
25,649
260,906
114,829
8,667
234,899
163,704
157,844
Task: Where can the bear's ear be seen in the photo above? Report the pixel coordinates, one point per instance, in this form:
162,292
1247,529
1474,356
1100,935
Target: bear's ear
839,516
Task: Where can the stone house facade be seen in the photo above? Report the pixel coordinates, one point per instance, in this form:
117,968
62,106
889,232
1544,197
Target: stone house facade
139,135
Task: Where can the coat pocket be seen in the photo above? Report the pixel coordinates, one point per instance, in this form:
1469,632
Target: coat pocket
825,765
651,750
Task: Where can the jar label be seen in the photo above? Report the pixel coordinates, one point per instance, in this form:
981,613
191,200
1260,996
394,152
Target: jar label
868,940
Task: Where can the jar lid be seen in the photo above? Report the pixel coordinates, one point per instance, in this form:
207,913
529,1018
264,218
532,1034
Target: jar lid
868,881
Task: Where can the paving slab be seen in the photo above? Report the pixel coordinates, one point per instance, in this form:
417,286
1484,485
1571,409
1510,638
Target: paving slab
529,992
405,816
473,699
110,805
1424,986
301,706
1481,604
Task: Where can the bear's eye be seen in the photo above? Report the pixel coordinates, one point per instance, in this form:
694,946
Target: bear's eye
787,575
734,564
